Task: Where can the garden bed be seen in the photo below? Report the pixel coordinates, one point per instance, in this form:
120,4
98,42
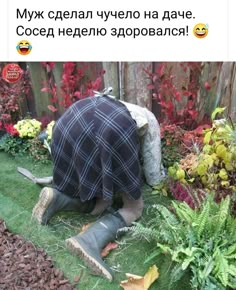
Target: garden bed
17,198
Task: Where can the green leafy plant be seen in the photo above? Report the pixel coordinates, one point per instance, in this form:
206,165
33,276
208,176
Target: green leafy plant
201,241
14,145
38,151
171,141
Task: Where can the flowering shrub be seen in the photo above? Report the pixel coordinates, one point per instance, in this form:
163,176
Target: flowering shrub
49,131
28,128
23,138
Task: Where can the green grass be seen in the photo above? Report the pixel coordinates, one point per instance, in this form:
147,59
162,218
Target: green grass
18,196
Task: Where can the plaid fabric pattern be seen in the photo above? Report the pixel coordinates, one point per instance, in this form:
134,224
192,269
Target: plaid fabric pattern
95,150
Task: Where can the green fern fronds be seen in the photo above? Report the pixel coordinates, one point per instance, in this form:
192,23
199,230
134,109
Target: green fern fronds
231,228
202,219
221,269
139,231
232,270
208,268
153,255
202,241
184,212
230,252
224,211
176,274
168,216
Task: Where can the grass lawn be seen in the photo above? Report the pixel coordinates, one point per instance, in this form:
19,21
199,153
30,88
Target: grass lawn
18,196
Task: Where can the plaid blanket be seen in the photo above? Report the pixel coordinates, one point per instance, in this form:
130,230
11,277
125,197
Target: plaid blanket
95,150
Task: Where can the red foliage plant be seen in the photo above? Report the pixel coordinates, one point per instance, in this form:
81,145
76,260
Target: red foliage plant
11,130
10,98
185,193
74,85
179,104
174,135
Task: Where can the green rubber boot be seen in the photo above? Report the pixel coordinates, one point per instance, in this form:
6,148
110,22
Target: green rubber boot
52,201
89,244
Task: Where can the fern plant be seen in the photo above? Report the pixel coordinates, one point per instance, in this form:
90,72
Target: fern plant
202,241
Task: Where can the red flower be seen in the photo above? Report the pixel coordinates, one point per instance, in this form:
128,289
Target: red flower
11,130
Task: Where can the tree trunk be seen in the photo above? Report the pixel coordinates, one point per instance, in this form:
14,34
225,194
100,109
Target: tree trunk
134,81
226,87
207,99
111,77
38,76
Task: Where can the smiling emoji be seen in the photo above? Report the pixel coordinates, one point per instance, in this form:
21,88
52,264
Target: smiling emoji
24,47
200,30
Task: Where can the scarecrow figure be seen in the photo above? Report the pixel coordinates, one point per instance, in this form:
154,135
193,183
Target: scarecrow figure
97,147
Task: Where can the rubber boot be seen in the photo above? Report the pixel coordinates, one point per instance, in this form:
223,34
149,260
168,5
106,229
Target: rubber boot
89,244
52,201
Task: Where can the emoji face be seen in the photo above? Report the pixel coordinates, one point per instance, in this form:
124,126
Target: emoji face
200,30
24,47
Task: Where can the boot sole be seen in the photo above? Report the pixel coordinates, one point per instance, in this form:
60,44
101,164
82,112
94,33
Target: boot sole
74,246
45,199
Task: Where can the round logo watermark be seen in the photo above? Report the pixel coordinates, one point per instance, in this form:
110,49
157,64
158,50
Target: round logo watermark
12,73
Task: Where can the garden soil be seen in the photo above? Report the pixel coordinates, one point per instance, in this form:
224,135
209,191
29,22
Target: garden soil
25,267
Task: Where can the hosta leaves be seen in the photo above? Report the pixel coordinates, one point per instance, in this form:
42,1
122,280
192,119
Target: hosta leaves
228,166
207,137
225,183
221,151
202,169
223,174
217,111
180,174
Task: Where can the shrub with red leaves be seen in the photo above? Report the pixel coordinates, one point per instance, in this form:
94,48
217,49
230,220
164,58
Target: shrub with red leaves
186,193
10,98
179,106
75,84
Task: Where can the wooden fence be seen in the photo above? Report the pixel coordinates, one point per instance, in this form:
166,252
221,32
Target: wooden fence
129,82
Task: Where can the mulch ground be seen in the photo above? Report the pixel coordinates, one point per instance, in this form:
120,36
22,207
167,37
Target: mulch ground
25,267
